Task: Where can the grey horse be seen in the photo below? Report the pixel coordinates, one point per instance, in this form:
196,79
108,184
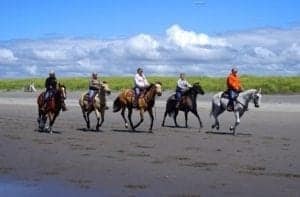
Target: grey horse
219,104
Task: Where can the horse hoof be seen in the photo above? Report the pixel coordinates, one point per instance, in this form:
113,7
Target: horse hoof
150,131
231,128
126,125
217,127
213,126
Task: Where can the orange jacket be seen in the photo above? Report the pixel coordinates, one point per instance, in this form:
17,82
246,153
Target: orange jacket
233,82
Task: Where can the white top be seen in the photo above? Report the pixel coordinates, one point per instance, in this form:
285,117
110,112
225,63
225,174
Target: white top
183,84
140,81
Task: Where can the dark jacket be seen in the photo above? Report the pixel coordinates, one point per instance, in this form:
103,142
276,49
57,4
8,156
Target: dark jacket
50,83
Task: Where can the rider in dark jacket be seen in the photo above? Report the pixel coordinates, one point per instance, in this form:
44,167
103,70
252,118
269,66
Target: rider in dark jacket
51,85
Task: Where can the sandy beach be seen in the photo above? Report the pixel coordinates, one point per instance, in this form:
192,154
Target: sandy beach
262,160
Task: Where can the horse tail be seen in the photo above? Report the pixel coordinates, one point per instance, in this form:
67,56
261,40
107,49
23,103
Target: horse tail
117,105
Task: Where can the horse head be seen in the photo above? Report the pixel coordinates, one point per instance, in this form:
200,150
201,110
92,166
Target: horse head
158,88
105,88
197,88
62,90
257,97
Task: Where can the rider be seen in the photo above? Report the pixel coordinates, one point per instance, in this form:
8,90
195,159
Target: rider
182,86
51,85
140,83
234,88
94,87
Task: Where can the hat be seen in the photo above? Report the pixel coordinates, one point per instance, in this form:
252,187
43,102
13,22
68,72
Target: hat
139,70
234,69
51,73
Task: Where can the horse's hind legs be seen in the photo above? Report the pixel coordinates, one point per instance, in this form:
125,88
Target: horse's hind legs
163,122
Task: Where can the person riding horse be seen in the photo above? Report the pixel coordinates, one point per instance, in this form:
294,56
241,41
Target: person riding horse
234,87
51,85
182,86
94,87
140,84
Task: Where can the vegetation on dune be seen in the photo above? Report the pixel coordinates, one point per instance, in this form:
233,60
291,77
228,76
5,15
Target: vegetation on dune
269,85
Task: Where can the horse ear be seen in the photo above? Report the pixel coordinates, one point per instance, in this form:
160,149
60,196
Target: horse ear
158,82
105,82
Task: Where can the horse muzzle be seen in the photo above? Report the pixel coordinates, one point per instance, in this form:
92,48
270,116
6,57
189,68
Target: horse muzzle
159,94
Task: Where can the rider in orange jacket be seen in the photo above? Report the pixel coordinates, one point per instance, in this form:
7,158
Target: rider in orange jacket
234,88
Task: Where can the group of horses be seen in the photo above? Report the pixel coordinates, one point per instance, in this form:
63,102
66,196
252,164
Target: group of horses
146,102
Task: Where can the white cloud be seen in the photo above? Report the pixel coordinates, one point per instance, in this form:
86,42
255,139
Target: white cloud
6,56
262,51
182,38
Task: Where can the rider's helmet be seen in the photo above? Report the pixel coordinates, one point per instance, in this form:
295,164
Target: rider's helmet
52,73
139,70
234,69
94,75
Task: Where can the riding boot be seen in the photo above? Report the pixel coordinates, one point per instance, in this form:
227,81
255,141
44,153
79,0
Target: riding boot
230,106
177,104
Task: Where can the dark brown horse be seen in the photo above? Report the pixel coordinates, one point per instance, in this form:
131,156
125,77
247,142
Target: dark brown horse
98,105
145,103
188,102
52,108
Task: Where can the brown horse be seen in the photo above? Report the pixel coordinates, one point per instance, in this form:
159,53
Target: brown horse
52,109
98,105
145,103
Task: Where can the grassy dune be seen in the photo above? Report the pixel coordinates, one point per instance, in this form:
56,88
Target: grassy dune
269,85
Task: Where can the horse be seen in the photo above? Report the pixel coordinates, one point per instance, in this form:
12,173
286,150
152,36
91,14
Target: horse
187,103
98,105
52,108
219,104
145,103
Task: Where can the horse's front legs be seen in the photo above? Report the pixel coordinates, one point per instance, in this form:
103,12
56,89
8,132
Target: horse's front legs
52,118
123,116
152,118
199,119
129,118
237,122
98,115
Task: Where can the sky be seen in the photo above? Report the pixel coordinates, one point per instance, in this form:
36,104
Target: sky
114,37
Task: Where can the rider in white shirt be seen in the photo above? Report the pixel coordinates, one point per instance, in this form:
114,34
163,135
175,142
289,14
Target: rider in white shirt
182,86
140,83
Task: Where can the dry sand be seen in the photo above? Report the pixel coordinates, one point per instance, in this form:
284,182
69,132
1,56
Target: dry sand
262,160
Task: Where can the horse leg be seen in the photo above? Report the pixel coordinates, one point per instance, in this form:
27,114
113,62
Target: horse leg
51,122
237,122
174,118
129,118
123,116
199,119
152,118
186,118
98,114
84,114
217,110
88,124
141,118
163,122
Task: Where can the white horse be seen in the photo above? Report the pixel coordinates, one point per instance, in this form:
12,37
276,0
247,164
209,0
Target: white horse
219,105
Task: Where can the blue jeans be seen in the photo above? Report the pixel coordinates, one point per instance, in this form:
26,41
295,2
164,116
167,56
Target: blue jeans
232,96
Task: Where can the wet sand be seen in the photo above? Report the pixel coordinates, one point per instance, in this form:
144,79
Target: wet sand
262,160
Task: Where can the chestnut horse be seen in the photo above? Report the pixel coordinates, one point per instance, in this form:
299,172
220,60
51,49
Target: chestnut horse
52,108
145,103
98,105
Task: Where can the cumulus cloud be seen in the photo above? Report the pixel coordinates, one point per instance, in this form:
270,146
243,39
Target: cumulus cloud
260,51
6,56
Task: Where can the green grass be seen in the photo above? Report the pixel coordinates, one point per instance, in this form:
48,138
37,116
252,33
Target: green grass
269,85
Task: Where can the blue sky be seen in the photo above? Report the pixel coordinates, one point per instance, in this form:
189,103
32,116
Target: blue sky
76,31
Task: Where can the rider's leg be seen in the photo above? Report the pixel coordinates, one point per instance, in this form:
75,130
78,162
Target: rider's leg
230,105
136,97
177,97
